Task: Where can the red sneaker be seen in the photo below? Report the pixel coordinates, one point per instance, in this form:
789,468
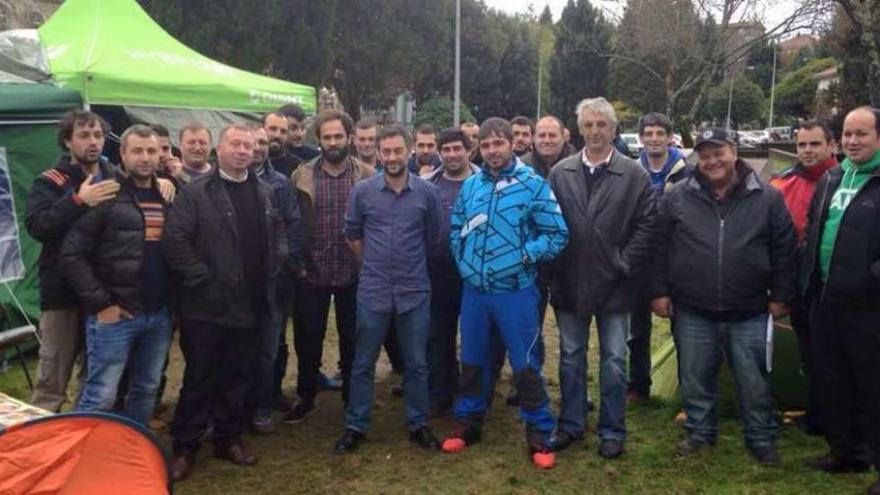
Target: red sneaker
463,436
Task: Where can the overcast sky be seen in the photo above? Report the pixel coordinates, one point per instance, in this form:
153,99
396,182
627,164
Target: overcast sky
776,13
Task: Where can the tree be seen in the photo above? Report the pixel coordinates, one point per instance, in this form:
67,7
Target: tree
546,17
796,92
725,34
746,106
865,18
577,70
438,112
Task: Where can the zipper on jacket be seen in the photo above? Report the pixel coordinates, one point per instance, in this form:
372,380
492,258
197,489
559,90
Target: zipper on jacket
720,260
491,209
836,237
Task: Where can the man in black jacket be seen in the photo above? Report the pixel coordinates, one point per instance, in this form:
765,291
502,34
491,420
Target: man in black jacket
725,260
840,274
608,205
112,257
226,241
57,198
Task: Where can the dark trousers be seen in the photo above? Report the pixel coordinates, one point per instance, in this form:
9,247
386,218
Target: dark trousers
800,322
313,304
639,343
284,299
392,350
216,381
845,345
442,333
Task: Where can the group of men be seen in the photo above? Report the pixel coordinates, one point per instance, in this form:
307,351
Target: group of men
429,237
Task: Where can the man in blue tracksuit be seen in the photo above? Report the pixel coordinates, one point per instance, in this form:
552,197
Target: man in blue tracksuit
505,220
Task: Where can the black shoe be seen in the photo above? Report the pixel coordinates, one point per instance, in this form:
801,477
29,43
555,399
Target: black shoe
424,438
235,453
836,465
562,440
766,456
349,441
590,405
690,446
513,400
182,466
610,449
299,413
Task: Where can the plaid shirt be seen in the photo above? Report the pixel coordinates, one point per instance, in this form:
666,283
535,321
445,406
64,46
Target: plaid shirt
333,260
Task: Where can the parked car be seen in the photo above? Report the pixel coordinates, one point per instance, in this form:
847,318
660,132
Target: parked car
632,143
782,133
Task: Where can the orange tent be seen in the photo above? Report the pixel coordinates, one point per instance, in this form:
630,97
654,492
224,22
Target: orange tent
78,453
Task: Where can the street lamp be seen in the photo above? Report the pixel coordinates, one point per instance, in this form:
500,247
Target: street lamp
456,110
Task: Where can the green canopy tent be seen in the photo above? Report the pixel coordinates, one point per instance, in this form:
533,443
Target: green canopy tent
113,53
29,115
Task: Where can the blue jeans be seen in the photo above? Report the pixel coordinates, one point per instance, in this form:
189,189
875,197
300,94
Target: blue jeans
412,335
515,316
701,342
264,386
574,337
141,343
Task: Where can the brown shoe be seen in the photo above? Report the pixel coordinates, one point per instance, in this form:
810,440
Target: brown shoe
235,454
634,397
182,467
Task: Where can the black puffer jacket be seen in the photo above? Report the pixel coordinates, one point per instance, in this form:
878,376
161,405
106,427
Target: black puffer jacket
201,244
102,253
52,207
854,277
728,262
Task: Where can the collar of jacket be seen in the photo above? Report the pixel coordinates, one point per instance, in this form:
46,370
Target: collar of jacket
577,165
127,184
108,170
506,172
437,174
813,173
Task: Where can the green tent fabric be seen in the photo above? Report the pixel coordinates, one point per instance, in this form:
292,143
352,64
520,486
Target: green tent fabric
28,130
113,53
789,384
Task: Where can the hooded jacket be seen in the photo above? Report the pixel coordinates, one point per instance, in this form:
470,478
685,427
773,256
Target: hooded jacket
502,226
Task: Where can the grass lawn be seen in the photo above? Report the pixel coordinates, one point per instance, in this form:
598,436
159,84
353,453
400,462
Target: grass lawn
298,458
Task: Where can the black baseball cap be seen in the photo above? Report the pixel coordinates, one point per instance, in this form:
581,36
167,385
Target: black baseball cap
716,135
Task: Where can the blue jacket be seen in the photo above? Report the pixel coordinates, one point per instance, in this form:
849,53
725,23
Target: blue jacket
501,227
288,207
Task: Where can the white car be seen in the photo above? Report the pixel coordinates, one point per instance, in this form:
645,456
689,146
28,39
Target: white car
632,143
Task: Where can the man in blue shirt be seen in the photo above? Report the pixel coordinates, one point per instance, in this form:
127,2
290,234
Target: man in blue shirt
505,220
392,223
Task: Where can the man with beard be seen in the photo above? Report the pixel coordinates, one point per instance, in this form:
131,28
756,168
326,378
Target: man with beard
113,258
471,130
277,128
195,150
225,240
322,187
815,147
445,280
665,165
523,134
57,198
365,142
505,220
425,158
391,225
296,132
170,166
267,381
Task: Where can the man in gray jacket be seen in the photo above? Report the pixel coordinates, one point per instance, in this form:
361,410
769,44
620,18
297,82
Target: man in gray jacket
608,205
